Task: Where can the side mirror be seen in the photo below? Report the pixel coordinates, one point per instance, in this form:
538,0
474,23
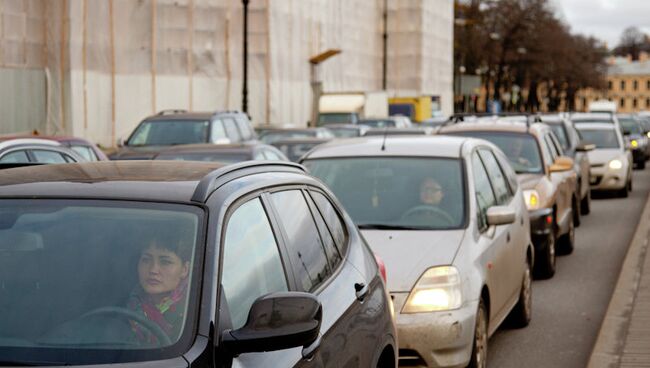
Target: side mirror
562,163
277,321
120,142
585,147
500,215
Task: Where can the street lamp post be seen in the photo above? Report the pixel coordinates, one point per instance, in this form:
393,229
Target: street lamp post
244,100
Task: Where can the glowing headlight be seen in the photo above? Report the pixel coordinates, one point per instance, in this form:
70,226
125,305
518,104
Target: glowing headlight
634,143
615,164
532,199
437,290
648,134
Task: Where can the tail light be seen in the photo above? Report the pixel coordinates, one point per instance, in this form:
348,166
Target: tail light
382,267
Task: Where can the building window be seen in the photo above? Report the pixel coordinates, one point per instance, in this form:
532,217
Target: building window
623,85
622,103
610,85
647,85
635,85
634,103
647,102
584,103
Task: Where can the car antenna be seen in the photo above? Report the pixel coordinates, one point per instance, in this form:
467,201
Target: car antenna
383,143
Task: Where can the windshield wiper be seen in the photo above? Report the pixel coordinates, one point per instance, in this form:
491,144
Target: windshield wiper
387,227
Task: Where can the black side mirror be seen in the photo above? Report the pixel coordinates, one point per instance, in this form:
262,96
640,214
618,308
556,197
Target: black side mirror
585,147
277,321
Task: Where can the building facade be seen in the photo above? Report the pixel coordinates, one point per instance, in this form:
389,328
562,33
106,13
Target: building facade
95,68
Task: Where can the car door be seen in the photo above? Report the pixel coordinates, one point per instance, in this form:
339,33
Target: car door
514,266
492,242
319,268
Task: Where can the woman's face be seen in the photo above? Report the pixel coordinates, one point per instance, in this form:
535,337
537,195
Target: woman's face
160,270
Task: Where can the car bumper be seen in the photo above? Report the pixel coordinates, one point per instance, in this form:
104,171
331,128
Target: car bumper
603,178
638,155
435,339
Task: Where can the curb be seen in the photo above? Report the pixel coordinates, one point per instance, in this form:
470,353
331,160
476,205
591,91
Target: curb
609,346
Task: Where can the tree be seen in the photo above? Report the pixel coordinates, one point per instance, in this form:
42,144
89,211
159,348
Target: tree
633,41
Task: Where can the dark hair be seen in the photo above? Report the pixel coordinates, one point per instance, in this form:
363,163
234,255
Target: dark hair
174,239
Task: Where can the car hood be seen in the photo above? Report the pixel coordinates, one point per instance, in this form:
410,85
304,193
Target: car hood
137,153
407,254
603,156
528,181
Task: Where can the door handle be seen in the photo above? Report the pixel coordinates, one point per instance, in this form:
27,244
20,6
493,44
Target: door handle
361,290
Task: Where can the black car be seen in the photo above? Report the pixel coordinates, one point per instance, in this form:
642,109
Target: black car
224,153
175,127
156,264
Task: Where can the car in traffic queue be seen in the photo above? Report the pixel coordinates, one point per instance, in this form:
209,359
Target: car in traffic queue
546,177
572,146
176,127
635,139
35,150
347,130
224,153
270,136
253,264
448,218
396,121
84,148
611,163
399,131
295,148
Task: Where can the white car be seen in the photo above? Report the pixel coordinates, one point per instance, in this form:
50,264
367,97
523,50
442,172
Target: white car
448,218
611,163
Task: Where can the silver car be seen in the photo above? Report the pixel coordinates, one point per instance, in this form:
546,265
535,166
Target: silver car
449,220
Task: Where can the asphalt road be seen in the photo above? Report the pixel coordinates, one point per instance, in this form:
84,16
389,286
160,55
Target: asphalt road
568,309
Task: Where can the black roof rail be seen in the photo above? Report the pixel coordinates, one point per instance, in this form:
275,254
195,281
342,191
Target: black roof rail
170,111
223,175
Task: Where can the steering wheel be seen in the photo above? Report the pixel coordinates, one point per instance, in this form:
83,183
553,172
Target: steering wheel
428,210
126,314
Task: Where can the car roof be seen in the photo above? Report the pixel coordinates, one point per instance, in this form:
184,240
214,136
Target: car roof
595,126
28,141
182,115
494,125
421,146
211,147
145,180
592,116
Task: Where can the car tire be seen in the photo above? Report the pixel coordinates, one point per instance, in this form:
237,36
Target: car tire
641,164
625,192
522,313
576,211
566,243
545,263
585,203
480,345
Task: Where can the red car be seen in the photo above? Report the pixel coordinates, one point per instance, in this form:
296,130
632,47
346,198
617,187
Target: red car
84,148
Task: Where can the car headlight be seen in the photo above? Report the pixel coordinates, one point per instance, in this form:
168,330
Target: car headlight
634,143
648,134
532,199
438,289
615,164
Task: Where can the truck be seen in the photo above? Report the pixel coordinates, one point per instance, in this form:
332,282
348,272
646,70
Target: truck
350,107
418,109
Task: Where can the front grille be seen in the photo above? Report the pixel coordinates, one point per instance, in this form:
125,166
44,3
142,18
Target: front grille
595,179
410,358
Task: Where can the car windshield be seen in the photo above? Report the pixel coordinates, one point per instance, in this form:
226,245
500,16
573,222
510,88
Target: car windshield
521,149
560,133
271,136
89,282
379,123
397,193
630,126
169,133
333,118
225,157
602,138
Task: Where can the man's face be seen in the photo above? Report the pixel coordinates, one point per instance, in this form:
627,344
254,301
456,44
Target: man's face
160,270
431,192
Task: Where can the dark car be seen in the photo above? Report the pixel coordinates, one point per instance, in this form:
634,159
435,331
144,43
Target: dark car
34,150
273,135
175,127
224,153
294,148
153,264
635,138
572,146
83,147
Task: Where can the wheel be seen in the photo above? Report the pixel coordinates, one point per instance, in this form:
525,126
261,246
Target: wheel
585,203
480,346
576,211
567,241
545,265
522,313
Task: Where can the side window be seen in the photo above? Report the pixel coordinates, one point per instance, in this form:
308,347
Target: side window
69,158
218,132
15,157
48,157
484,195
328,241
231,130
251,260
245,129
259,155
306,253
85,152
332,219
551,147
546,152
507,170
270,155
556,144
497,178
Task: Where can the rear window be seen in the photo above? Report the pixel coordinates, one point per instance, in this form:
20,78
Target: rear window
602,138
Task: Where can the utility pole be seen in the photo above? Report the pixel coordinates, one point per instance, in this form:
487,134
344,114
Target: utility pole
244,101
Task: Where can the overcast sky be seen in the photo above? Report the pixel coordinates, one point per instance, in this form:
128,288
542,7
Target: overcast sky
605,19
